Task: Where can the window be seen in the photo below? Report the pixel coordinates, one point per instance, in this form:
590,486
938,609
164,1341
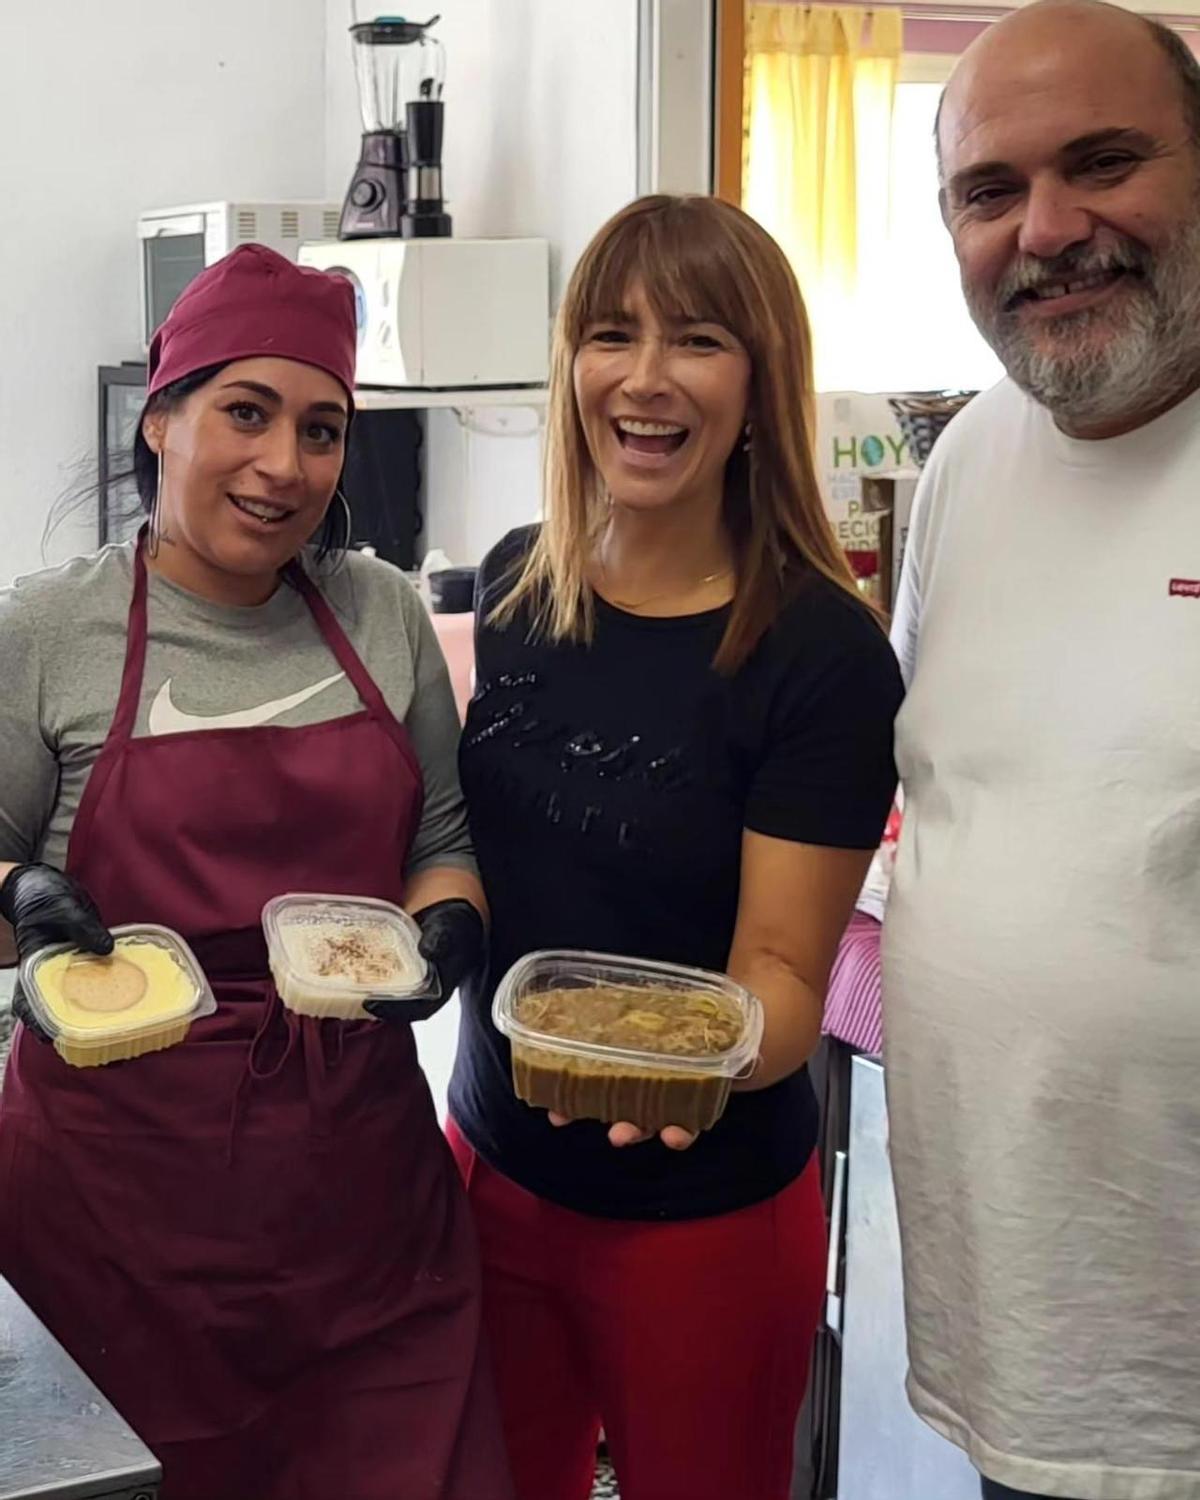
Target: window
908,327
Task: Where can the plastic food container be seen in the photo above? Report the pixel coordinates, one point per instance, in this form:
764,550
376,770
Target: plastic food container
604,1038
141,998
330,953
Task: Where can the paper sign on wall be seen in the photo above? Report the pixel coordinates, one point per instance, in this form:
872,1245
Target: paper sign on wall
857,436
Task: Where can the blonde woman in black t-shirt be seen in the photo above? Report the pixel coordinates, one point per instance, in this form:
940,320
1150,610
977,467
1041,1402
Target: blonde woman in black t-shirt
680,748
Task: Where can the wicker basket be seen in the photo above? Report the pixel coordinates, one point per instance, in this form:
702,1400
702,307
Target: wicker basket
923,414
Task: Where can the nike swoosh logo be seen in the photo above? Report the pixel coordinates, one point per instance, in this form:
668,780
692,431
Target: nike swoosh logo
165,718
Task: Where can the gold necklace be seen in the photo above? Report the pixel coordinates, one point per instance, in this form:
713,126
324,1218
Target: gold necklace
671,594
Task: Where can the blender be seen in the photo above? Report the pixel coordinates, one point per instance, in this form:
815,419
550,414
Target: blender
396,190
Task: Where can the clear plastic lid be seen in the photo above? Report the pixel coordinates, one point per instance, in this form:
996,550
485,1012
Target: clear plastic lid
345,946
150,981
541,974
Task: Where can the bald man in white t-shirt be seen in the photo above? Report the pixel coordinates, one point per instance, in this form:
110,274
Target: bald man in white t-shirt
1042,941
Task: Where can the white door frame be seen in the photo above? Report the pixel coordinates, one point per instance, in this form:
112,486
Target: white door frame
676,93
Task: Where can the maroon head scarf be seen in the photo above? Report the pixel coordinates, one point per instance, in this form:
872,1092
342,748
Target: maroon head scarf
254,303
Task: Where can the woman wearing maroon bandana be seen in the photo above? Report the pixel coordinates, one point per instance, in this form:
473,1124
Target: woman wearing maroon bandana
255,1243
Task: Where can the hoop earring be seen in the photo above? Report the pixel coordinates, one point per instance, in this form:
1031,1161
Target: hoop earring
347,517
154,534
748,438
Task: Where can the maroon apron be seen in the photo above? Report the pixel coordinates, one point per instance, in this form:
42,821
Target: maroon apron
256,1243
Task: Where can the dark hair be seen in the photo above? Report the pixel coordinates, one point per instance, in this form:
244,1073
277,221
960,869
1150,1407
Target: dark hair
145,460
334,536
1184,63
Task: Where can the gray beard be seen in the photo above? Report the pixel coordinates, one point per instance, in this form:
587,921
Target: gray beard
1151,353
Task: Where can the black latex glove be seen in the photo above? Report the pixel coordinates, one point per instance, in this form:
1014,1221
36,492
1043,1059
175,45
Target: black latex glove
44,906
453,941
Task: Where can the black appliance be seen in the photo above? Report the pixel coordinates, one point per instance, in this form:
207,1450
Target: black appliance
396,190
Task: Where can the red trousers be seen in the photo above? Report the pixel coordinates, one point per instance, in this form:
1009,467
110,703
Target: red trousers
688,1342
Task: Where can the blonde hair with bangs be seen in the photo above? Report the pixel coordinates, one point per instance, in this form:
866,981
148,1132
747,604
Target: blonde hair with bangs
702,260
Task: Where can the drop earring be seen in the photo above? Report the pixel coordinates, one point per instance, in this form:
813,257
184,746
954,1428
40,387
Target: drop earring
155,529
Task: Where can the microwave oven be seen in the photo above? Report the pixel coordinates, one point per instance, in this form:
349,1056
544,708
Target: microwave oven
446,314
178,243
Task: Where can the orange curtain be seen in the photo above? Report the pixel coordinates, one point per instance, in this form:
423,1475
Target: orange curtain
820,87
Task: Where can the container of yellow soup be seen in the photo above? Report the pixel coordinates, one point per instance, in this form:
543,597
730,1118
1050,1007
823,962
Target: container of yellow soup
140,998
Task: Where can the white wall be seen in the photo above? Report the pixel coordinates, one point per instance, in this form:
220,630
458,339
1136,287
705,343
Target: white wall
106,109
541,140
482,479
540,115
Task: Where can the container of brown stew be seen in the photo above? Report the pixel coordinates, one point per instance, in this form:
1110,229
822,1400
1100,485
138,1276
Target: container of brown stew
604,1038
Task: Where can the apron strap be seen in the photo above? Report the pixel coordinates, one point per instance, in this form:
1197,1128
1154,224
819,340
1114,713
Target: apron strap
346,656
135,648
125,717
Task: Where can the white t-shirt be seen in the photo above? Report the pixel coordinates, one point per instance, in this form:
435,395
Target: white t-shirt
1042,952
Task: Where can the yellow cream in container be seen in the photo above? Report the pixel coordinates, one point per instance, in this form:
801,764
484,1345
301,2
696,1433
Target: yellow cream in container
141,998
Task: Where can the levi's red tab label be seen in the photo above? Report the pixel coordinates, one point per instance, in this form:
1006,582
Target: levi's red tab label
1185,588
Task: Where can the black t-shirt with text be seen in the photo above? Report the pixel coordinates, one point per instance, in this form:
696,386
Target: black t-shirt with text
608,786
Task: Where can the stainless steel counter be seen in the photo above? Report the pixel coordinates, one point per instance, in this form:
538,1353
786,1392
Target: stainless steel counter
59,1437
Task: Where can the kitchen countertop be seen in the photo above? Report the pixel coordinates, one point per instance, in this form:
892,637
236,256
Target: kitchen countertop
62,1440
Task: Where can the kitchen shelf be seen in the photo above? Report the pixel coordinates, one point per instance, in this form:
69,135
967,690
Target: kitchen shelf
379,398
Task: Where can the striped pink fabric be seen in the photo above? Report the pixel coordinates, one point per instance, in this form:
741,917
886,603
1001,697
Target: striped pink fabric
852,1006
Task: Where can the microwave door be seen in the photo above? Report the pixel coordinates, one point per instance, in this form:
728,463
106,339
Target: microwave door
173,255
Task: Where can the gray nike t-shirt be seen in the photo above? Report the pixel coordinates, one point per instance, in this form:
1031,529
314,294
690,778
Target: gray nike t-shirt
208,666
